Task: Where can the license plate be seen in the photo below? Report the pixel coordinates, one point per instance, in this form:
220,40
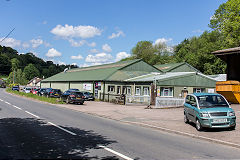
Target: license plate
219,120
56,94
78,98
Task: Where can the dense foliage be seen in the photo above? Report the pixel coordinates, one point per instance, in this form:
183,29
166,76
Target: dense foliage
226,20
26,66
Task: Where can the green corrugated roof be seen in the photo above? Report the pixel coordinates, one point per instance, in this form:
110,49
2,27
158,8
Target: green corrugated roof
168,67
123,75
171,66
177,79
104,72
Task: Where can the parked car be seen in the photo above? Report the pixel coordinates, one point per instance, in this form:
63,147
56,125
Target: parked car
27,89
47,92
41,91
73,89
15,88
56,93
73,97
88,96
209,110
35,91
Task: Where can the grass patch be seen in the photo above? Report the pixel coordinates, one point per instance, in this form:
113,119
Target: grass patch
41,98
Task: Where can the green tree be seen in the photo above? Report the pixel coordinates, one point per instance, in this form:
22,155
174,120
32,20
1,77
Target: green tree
5,64
197,52
226,20
31,71
151,53
15,65
20,77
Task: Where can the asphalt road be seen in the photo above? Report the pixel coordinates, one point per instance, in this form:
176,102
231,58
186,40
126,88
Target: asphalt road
34,130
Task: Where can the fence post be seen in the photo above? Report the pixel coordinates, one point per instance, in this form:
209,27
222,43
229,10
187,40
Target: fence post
124,99
108,97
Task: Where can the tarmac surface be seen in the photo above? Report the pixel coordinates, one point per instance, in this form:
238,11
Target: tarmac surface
170,120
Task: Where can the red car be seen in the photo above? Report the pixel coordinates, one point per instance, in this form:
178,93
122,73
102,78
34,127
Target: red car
34,90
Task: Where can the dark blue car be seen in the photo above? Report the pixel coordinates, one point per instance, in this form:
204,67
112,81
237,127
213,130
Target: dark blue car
15,88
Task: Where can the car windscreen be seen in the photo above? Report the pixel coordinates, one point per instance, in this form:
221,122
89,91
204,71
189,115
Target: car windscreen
56,91
77,93
211,101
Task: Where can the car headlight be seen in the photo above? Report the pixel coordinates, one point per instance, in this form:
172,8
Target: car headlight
232,113
204,115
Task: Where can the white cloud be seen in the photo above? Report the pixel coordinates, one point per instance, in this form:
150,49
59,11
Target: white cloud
106,48
47,44
76,44
53,53
162,40
26,45
99,58
36,42
69,31
122,55
59,62
116,35
93,50
10,42
93,44
77,57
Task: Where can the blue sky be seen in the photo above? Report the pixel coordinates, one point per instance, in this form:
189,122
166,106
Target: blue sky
91,32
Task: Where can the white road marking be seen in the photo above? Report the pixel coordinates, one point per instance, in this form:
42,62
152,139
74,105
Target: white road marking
1,100
74,134
7,103
116,153
32,114
17,107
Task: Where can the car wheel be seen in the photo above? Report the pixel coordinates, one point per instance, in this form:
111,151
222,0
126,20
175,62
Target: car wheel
233,127
67,100
185,118
81,103
198,125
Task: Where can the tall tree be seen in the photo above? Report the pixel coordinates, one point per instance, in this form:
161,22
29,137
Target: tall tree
197,52
31,71
15,65
151,53
226,20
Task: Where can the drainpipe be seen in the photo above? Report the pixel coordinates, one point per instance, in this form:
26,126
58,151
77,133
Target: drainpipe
103,90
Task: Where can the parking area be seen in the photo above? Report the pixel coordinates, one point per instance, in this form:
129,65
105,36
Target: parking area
164,119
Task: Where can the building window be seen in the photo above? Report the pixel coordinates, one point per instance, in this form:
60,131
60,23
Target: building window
118,89
124,90
198,90
129,91
111,88
166,92
138,91
146,91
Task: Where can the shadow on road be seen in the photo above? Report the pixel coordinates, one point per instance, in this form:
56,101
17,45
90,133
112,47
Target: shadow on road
29,138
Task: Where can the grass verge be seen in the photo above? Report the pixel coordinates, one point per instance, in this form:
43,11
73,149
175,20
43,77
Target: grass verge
30,95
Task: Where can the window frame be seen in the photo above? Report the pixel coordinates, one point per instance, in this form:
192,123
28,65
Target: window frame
169,89
138,89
